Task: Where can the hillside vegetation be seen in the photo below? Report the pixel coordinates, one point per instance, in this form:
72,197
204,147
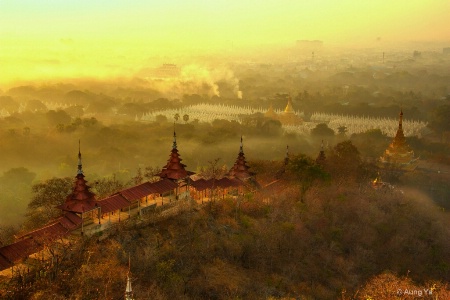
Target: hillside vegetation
336,239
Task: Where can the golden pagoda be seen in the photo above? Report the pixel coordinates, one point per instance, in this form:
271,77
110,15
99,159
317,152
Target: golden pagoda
270,113
377,183
288,117
399,154
289,108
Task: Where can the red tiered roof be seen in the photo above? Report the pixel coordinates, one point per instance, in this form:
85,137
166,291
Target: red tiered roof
81,199
174,169
240,168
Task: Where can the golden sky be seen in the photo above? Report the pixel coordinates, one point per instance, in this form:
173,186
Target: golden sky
98,38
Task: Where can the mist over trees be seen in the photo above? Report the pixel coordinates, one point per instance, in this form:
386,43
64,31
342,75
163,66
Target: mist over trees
344,237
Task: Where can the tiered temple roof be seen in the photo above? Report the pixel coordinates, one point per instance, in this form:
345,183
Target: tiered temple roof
174,169
240,169
399,153
81,199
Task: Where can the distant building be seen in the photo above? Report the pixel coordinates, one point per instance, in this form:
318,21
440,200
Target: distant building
399,154
309,45
165,71
379,184
288,117
321,158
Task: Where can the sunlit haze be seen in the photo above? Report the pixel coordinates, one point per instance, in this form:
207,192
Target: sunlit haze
101,39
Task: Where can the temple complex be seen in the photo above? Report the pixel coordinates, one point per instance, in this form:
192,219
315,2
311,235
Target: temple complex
287,117
399,154
83,214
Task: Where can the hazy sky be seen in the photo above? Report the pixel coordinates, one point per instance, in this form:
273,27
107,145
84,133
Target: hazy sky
46,38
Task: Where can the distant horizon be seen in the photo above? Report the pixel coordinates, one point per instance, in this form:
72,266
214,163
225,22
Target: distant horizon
109,39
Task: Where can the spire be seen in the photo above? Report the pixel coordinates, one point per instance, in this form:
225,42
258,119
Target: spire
289,108
81,199
321,157
286,158
174,169
399,140
80,167
240,168
399,153
241,148
174,145
128,289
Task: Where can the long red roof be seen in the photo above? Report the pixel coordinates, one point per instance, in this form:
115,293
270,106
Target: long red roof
163,186
113,203
4,263
137,192
17,251
224,182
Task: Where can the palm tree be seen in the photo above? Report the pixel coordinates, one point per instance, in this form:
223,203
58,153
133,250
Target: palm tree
186,118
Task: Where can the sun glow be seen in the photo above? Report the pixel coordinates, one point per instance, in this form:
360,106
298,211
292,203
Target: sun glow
48,39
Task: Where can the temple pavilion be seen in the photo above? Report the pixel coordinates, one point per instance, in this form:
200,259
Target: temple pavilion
240,169
399,154
176,171
81,201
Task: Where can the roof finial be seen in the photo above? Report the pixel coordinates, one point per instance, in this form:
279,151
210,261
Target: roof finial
321,146
400,122
174,145
80,169
128,289
241,149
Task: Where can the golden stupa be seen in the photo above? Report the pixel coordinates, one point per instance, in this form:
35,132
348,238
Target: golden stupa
399,154
288,117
